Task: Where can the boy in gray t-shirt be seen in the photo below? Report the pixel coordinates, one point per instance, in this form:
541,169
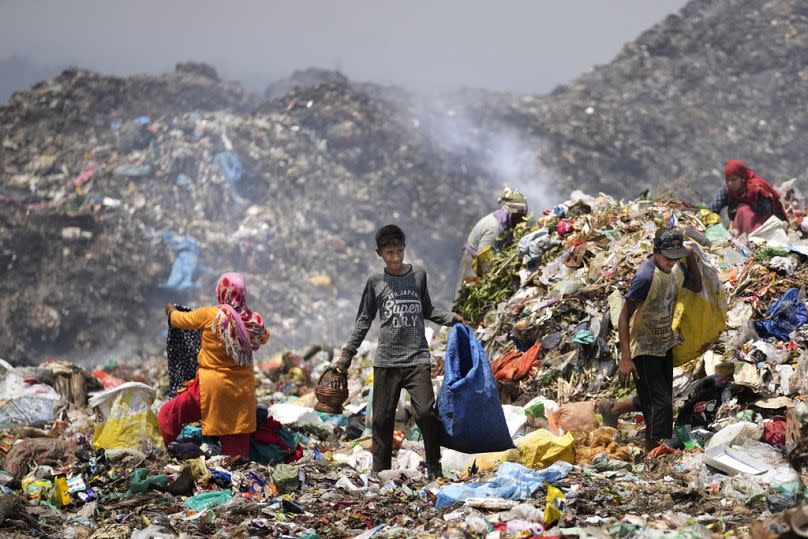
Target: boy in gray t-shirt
401,297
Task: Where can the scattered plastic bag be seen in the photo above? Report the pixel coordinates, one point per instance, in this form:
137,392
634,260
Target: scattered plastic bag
206,500
785,264
516,418
470,412
286,477
488,461
128,421
554,506
152,532
511,481
772,233
717,233
576,417
230,165
541,448
736,434
292,414
185,266
515,365
139,481
533,245
22,403
784,316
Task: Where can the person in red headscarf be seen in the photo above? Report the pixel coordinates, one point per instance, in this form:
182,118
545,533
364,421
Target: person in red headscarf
222,396
750,200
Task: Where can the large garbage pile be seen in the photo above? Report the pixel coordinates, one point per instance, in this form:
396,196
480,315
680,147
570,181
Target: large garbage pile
119,194
111,180
545,314
721,79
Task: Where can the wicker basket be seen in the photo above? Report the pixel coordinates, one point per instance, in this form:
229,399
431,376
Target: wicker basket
331,391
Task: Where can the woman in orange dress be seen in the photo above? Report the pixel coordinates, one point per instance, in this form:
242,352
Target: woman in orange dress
222,395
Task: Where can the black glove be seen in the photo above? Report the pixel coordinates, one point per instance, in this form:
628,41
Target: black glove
342,363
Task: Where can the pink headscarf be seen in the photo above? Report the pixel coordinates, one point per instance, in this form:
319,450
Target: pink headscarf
240,329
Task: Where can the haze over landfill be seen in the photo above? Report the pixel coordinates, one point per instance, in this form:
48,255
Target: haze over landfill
628,362
448,55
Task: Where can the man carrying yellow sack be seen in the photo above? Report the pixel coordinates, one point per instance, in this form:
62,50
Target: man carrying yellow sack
647,337
487,234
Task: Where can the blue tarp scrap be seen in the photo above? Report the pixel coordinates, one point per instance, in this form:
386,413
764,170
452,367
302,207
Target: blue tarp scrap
230,165
784,316
186,264
131,170
512,481
532,246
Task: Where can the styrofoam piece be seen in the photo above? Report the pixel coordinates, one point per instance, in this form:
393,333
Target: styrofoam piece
731,461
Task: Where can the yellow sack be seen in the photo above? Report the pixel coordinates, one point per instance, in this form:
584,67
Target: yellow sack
488,461
541,448
482,262
127,420
699,318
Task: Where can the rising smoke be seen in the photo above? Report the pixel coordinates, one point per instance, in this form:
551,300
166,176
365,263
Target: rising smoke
504,155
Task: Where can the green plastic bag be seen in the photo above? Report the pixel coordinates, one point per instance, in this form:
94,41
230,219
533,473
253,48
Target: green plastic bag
717,233
140,482
286,477
206,500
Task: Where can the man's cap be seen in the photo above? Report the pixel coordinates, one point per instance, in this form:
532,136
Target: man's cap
671,242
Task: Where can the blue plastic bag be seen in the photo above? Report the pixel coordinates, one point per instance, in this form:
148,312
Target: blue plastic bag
784,316
186,264
471,416
512,482
230,165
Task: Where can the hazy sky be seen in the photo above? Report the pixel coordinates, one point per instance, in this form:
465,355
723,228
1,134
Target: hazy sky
430,45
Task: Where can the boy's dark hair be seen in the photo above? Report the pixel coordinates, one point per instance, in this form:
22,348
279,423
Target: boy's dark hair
390,235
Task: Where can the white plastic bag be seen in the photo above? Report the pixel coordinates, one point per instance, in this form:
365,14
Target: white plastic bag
22,403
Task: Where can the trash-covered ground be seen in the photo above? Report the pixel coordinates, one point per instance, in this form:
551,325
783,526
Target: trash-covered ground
119,194
545,314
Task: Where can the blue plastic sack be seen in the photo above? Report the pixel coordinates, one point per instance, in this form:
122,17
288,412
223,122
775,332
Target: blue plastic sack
186,264
784,316
471,416
512,482
230,165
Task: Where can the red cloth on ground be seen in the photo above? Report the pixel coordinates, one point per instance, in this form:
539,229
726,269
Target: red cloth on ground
268,434
515,365
184,409
774,431
235,445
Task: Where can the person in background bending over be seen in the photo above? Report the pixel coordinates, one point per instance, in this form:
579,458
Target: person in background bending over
488,234
750,200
